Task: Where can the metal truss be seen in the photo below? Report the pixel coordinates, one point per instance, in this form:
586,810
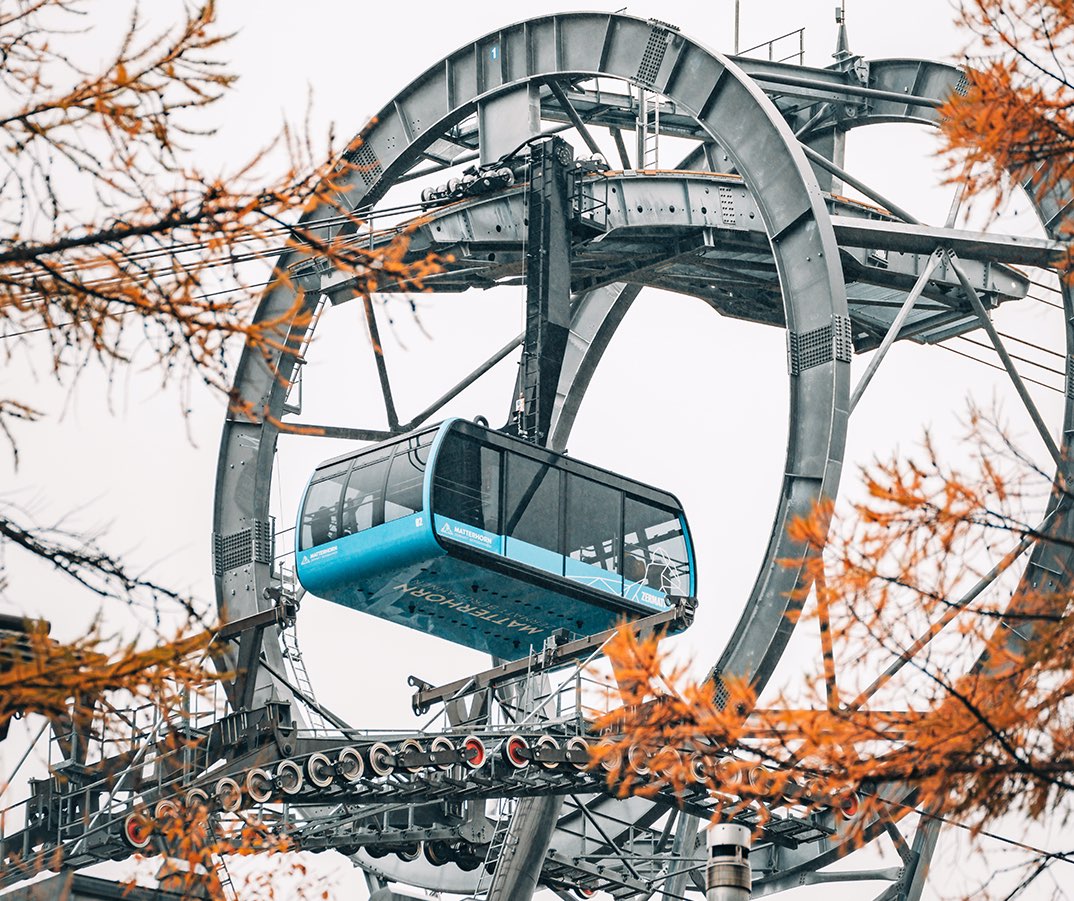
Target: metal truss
524,738
752,222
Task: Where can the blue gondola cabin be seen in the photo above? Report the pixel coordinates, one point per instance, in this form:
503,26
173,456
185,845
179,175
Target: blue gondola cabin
489,541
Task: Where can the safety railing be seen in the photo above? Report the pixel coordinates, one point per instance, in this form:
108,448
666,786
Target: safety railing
776,49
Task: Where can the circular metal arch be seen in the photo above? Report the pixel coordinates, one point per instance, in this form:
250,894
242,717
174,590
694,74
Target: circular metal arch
741,118
738,115
938,81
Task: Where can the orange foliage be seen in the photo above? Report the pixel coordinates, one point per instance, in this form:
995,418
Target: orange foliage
120,243
106,705
1015,122
958,696
167,246
58,680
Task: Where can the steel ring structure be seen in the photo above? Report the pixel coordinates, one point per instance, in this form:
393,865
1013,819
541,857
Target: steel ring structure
749,223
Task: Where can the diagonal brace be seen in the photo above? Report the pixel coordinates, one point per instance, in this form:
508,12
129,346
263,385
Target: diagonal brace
896,327
382,369
1008,363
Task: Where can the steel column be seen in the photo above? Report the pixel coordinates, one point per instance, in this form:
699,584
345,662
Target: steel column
548,287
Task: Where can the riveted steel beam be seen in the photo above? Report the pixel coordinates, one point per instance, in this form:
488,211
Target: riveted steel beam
1014,250
731,112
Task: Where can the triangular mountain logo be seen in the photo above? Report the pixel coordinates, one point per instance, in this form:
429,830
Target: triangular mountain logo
445,529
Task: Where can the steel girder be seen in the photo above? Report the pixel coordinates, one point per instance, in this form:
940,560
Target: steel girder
732,111
735,113
751,131
700,234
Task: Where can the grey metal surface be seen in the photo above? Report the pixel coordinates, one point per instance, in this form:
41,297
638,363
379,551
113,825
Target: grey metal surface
762,149
905,238
735,113
700,234
78,887
519,866
747,132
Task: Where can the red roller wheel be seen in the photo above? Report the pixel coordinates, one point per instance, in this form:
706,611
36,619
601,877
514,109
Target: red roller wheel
137,830
513,751
848,805
474,751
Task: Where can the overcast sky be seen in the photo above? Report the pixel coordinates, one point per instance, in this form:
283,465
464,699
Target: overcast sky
124,457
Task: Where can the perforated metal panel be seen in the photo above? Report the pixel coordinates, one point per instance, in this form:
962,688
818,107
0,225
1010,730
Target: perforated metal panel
821,345
963,85
651,59
365,158
264,541
244,547
842,340
231,551
727,205
722,694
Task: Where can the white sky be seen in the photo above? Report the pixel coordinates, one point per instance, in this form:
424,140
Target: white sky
711,391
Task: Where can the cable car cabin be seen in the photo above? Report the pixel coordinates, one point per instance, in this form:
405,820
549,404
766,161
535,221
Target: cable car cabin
489,541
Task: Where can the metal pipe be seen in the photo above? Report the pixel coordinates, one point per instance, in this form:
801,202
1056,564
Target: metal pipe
451,393
896,327
335,431
727,873
620,146
522,858
845,176
928,832
382,369
682,847
1008,363
26,753
873,93
576,120
822,112
797,31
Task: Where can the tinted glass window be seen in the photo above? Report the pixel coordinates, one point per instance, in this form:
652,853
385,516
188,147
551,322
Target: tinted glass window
466,484
403,494
593,523
654,548
363,499
319,516
532,511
